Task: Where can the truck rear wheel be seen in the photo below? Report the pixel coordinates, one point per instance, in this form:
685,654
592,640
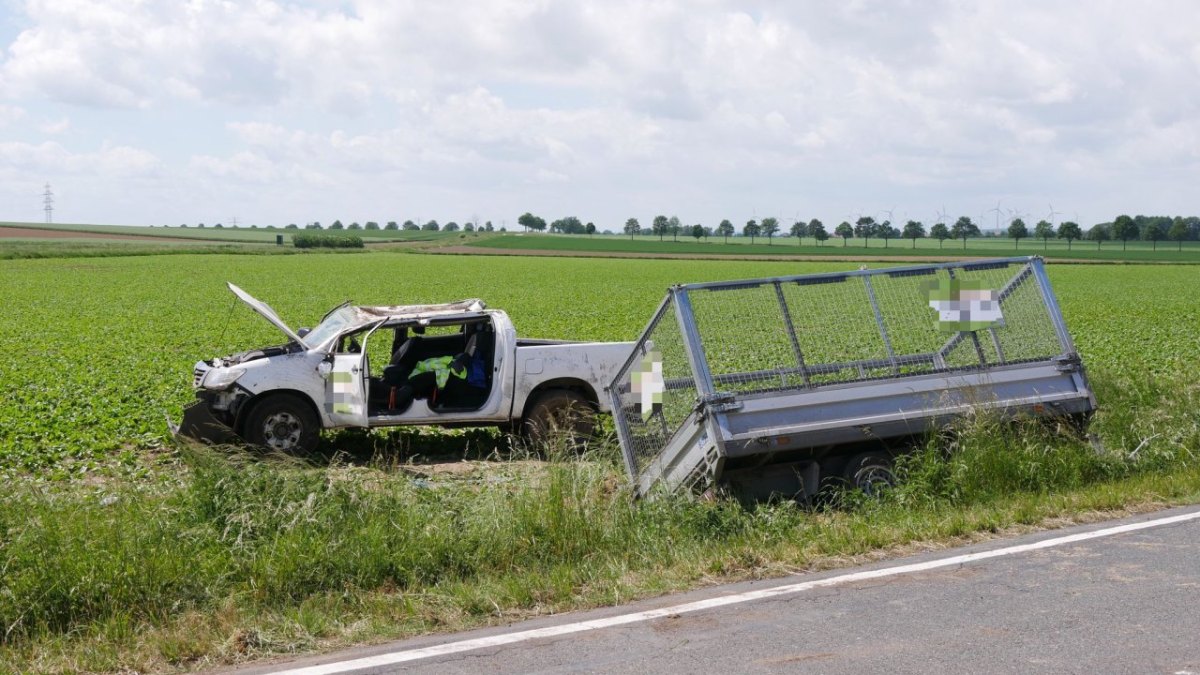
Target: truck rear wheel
285,423
870,472
560,415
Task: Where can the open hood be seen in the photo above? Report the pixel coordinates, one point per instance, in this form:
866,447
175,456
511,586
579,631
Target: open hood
268,313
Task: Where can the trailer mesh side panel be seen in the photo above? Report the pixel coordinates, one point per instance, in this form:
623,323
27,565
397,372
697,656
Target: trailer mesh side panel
806,332
645,423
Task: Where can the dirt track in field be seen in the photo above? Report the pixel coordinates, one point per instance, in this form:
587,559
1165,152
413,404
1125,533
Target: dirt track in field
36,233
478,250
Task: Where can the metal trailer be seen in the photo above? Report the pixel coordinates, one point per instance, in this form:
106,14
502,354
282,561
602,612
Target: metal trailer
767,384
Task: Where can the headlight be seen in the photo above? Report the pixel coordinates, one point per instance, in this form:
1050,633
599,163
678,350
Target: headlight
221,378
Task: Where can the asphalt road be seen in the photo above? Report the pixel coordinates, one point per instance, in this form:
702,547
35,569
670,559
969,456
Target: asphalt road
1123,602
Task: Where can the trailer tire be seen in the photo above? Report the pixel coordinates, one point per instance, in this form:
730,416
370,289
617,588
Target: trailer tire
870,472
559,415
283,423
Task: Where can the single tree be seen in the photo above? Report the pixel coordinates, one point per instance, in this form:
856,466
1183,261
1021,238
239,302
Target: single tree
589,229
469,227
940,232
865,227
372,225
914,230
751,230
963,228
410,226
886,231
488,227
813,226
697,231
674,226
528,221
1070,231
1124,228
1154,231
816,230
337,225
632,227
845,231
799,229
1098,234
450,227
1178,232
431,226
769,228
660,226
1017,231
725,229
1044,231
292,226
391,225
354,226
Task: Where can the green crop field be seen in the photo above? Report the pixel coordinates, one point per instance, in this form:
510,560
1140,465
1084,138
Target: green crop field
262,235
977,247
102,348
121,552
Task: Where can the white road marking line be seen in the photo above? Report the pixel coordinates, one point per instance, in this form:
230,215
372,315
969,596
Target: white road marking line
722,601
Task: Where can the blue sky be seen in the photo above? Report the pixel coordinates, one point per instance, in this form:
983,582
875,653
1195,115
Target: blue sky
147,112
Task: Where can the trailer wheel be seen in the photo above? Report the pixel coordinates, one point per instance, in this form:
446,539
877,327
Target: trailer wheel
870,472
559,415
285,423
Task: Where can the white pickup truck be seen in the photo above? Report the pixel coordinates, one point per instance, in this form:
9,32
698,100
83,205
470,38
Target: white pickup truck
347,370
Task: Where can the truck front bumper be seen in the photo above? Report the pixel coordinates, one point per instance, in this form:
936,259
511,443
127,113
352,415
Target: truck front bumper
199,424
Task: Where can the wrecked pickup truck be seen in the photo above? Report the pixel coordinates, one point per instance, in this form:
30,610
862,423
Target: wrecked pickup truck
769,386
360,367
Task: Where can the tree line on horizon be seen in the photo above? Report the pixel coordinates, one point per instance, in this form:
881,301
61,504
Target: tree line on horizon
1123,228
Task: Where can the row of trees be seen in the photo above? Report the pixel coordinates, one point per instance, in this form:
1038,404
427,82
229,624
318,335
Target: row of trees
408,225
1124,228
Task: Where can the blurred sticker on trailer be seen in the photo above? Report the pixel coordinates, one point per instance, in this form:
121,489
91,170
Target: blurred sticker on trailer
647,381
963,305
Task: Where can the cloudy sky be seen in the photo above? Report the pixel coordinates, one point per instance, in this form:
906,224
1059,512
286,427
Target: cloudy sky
185,111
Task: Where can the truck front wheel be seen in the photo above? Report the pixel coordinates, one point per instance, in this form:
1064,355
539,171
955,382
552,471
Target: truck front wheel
560,414
284,423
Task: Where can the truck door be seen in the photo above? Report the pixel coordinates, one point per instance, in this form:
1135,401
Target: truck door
346,387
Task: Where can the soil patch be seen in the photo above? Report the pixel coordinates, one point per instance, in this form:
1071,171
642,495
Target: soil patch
37,233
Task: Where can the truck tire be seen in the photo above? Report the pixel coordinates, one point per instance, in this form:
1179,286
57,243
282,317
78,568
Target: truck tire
559,414
870,472
284,423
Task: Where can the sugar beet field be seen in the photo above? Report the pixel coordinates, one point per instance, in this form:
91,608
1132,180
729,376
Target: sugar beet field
100,349
121,552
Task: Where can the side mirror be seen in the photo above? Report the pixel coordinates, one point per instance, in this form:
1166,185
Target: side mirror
303,332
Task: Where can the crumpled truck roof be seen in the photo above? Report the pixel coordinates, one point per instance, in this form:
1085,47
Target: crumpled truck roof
373,314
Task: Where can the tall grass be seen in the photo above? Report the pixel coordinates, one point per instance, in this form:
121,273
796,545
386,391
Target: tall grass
239,554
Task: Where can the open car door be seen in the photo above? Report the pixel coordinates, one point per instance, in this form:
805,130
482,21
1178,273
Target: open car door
346,387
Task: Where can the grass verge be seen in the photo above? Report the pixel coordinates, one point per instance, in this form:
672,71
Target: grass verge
236,557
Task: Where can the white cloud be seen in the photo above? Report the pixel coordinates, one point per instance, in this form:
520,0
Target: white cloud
51,158
55,127
740,103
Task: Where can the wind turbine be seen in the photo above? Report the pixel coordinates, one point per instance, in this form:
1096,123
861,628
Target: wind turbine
1053,213
997,212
